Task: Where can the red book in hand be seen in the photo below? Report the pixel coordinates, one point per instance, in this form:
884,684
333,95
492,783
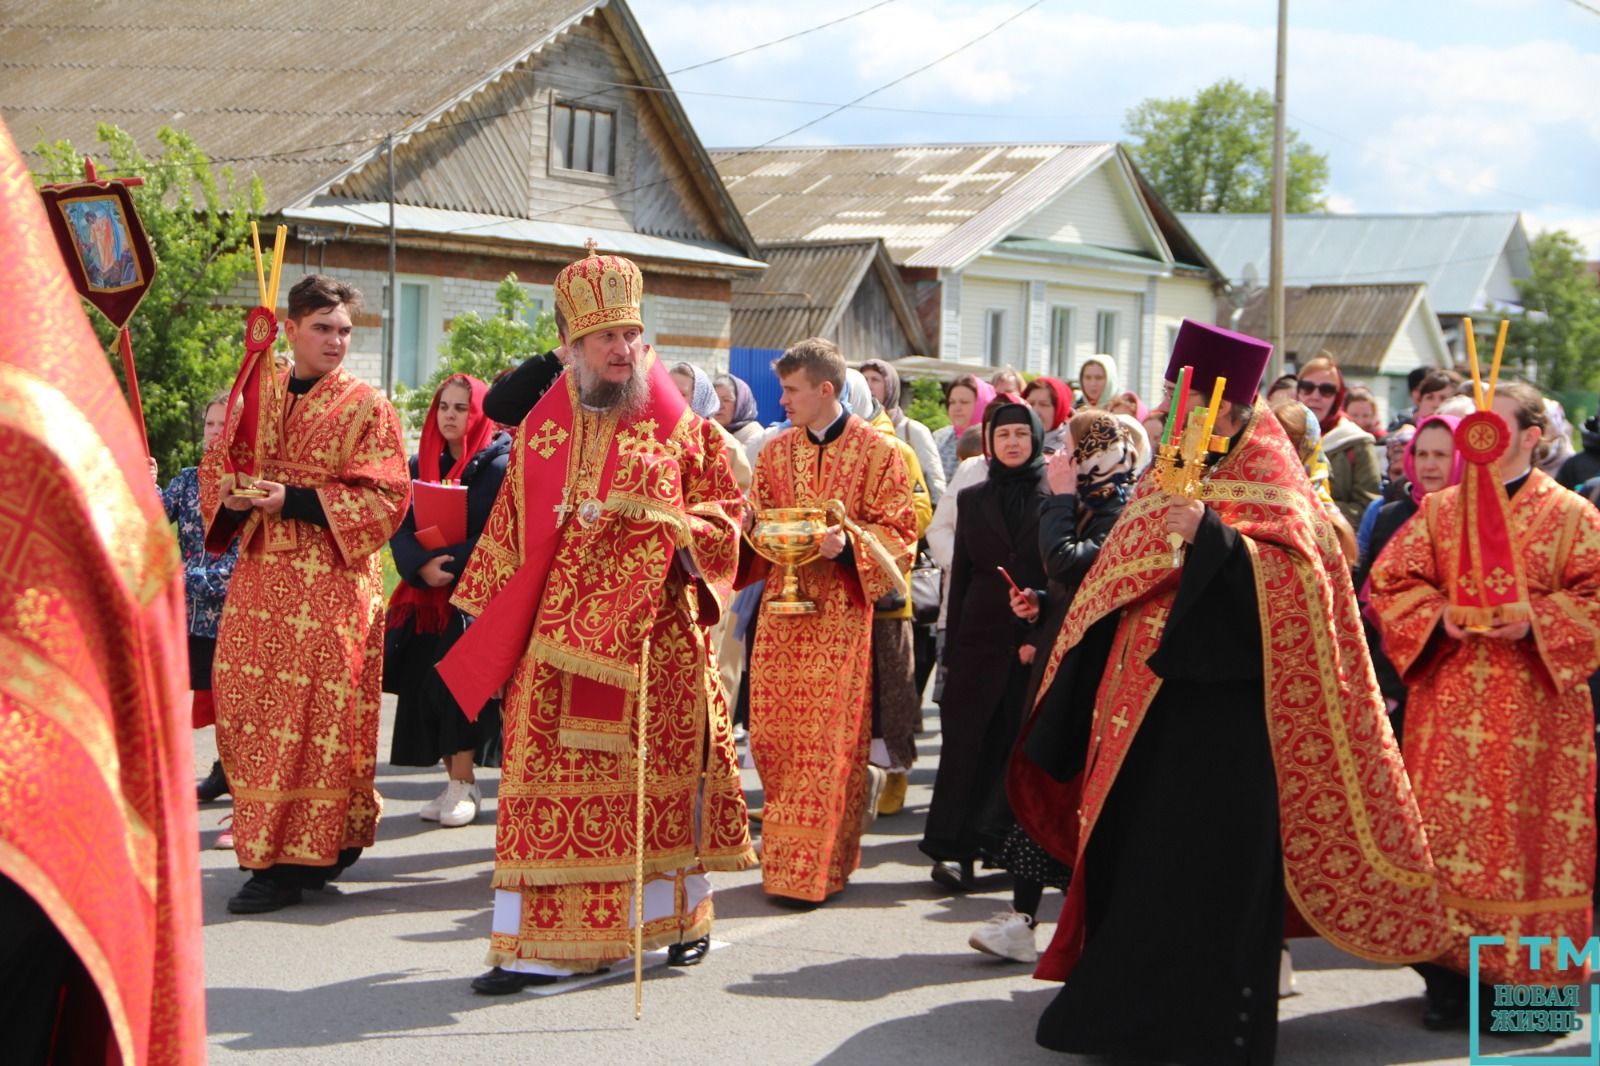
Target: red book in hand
441,513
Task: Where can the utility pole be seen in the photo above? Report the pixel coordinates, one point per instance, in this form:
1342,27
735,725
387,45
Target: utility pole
391,317
1275,322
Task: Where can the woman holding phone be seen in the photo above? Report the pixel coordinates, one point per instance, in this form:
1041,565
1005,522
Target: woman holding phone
989,652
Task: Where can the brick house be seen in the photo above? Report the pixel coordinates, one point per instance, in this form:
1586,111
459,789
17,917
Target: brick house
518,129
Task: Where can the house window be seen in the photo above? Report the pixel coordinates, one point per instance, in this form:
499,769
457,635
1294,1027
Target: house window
582,138
994,331
1061,341
414,347
1105,332
1172,338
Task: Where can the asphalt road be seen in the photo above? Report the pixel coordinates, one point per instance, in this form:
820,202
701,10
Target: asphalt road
376,969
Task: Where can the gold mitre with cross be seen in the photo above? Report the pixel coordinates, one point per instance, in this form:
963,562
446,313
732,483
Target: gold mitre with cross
599,292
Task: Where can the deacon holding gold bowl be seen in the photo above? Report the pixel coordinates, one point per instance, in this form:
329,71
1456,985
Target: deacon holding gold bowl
609,552
811,667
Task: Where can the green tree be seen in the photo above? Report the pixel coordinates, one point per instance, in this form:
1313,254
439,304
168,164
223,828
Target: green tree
1214,153
186,345
926,402
482,347
1556,337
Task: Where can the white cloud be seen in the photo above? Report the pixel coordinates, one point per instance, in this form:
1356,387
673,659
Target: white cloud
1409,124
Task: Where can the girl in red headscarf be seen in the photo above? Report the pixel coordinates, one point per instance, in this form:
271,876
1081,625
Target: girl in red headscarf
461,445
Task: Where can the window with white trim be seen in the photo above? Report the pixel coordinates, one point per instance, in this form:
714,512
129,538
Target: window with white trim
994,333
1105,332
1061,328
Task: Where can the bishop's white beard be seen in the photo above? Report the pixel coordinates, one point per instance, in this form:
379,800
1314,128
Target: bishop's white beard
626,397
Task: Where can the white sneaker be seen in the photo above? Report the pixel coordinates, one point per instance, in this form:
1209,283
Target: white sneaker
1285,974
1007,936
430,810
460,805
877,778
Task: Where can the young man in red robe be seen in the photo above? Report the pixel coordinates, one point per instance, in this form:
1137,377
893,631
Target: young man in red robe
1499,736
1210,753
810,674
299,663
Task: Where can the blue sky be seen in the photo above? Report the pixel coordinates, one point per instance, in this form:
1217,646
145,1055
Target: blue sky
1420,106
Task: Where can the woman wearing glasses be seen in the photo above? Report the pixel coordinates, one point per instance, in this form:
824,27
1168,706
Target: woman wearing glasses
1351,452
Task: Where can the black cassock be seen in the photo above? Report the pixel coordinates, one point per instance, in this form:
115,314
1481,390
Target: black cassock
1184,872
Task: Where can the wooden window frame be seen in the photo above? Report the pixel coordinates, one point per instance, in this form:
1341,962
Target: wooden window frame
582,173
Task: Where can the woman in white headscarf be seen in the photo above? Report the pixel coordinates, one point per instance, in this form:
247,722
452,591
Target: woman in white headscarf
1097,381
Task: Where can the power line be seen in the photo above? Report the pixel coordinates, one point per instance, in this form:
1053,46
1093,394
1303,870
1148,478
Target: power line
780,40
1002,24
370,143
1587,7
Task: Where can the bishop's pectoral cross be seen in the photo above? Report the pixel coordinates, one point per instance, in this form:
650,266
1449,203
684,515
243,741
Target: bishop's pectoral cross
562,509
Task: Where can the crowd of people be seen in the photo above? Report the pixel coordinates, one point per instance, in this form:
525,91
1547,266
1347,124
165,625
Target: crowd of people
602,626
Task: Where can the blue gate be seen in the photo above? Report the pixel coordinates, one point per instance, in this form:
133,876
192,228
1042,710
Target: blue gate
754,367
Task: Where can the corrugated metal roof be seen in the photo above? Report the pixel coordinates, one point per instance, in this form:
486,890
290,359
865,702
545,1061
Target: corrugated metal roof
293,90
806,290
433,221
1453,254
1358,324
932,205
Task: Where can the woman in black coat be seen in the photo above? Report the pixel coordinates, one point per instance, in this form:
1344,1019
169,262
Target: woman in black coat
1088,481
989,651
460,444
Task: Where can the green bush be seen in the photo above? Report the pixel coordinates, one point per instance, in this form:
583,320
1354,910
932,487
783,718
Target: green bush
926,402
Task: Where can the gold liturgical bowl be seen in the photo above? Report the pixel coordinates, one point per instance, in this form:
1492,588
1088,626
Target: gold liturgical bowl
790,537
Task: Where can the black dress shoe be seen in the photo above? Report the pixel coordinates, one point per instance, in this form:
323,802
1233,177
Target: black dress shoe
214,786
957,878
688,953
260,896
1444,1013
498,982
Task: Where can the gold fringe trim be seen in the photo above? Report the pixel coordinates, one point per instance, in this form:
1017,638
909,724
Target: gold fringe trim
617,743
609,951
585,664
643,509
514,877
1489,617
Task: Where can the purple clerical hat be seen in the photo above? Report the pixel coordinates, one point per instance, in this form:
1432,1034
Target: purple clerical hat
1216,352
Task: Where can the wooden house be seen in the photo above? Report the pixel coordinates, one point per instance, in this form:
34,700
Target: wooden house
504,133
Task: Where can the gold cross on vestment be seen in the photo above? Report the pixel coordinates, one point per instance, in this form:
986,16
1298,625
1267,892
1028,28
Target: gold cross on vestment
1480,670
549,437
1120,721
1156,620
562,509
1474,733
